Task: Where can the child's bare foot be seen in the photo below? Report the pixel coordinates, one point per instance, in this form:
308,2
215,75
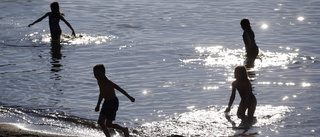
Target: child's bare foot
126,132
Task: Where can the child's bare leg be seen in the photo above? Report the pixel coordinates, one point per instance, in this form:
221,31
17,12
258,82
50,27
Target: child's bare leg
241,111
252,108
101,122
116,126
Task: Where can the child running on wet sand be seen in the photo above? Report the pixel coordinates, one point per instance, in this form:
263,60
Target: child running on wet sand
54,17
248,100
111,102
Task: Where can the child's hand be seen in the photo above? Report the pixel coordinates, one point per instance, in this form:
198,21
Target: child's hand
97,108
132,99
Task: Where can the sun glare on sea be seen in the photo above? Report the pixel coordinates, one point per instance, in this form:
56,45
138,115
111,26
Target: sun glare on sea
300,18
264,26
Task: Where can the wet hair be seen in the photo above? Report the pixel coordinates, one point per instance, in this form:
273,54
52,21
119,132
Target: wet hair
99,67
55,7
242,71
245,25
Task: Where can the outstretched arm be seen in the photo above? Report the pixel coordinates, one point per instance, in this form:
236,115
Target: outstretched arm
38,20
232,97
68,24
123,92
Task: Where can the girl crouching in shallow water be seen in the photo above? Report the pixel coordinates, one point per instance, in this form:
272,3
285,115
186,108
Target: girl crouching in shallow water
248,100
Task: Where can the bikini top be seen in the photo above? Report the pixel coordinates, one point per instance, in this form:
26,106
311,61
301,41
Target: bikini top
241,87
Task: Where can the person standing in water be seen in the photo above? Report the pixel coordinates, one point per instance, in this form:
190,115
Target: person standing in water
111,102
54,17
248,36
248,100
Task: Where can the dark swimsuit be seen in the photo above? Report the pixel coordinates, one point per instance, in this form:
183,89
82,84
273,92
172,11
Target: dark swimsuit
252,51
55,30
241,90
109,108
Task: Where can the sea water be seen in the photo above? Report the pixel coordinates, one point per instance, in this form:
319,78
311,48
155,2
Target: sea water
176,58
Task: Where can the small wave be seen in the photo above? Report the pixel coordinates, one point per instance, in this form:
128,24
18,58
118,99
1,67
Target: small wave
50,121
80,39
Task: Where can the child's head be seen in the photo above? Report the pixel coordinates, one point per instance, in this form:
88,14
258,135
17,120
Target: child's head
240,73
99,70
55,7
245,24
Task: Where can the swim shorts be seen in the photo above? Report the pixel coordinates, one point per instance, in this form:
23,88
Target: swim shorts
109,108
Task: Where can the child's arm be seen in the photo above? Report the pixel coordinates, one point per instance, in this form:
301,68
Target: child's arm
99,102
38,20
123,91
232,97
68,24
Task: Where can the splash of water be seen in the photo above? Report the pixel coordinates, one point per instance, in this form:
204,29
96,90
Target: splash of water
71,40
219,56
213,122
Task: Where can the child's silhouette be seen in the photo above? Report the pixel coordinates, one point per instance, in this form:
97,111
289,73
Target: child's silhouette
248,100
54,17
111,102
248,39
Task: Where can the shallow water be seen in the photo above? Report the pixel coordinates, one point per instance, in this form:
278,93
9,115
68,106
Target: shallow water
176,58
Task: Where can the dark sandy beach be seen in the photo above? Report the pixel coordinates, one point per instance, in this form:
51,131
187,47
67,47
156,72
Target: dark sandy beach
10,130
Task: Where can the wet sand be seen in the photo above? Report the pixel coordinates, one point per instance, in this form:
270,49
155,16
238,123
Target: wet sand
11,130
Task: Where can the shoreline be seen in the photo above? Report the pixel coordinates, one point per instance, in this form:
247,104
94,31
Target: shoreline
8,129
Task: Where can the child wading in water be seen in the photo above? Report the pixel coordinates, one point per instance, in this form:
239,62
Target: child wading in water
248,100
54,17
248,39
111,102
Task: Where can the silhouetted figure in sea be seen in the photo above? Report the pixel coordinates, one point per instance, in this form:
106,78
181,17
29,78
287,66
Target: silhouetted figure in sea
248,100
56,56
248,36
111,102
54,17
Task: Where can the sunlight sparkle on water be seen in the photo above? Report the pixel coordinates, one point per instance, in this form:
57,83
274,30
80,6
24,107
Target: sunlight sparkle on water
290,84
285,98
275,59
79,39
190,107
300,18
210,122
210,87
218,56
145,92
304,84
264,26
221,56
